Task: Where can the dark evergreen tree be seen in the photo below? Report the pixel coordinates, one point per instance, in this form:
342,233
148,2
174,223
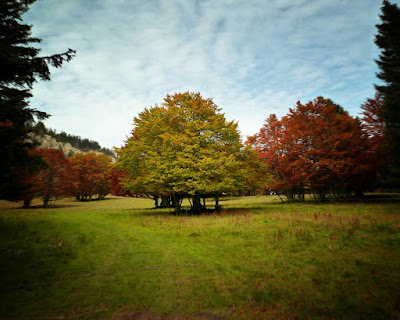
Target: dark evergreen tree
388,40
20,66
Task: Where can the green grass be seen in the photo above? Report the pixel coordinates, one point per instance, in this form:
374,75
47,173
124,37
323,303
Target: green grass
257,259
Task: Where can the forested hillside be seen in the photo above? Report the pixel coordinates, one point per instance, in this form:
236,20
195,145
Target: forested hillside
67,143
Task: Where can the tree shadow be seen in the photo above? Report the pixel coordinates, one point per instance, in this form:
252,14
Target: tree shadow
54,206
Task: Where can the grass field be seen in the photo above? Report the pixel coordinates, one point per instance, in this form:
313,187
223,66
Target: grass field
257,259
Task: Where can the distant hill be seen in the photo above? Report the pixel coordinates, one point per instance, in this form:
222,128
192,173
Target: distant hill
67,143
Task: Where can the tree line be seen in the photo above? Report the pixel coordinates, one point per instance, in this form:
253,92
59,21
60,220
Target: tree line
185,148
86,177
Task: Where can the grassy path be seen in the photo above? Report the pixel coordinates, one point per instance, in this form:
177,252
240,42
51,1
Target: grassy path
116,259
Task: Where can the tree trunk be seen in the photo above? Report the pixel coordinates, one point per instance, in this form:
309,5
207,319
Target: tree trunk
197,207
27,204
177,203
46,200
165,202
359,193
289,195
172,201
155,198
216,198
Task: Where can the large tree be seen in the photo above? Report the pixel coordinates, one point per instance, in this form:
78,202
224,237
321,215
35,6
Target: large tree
388,40
20,66
92,174
116,177
318,148
185,148
55,179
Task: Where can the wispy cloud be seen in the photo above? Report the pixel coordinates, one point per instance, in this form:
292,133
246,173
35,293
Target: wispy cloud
253,57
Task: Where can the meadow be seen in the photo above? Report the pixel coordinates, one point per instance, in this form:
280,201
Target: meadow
256,259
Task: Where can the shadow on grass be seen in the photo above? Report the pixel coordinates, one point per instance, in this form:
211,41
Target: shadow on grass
155,213
28,263
71,204
54,206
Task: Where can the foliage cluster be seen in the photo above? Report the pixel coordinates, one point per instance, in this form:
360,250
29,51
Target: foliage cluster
83,176
92,174
54,180
319,148
116,178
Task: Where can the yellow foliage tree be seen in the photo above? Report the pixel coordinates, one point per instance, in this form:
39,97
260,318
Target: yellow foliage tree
186,148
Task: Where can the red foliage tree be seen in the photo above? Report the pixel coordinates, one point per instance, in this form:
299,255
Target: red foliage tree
374,127
271,144
54,180
29,179
116,177
92,175
316,147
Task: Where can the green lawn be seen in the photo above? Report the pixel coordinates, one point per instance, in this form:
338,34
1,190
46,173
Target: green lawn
257,259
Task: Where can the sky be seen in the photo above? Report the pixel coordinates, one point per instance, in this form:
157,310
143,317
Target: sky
253,57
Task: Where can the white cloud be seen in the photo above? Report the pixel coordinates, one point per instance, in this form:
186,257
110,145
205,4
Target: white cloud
253,57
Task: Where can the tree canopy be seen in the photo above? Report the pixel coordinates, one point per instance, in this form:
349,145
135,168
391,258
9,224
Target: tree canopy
56,179
184,147
92,174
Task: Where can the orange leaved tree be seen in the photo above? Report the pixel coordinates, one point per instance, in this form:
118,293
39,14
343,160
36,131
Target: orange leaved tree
374,127
57,179
54,180
116,178
92,172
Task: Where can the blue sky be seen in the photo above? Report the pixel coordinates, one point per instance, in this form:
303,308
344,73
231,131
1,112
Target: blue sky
253,57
